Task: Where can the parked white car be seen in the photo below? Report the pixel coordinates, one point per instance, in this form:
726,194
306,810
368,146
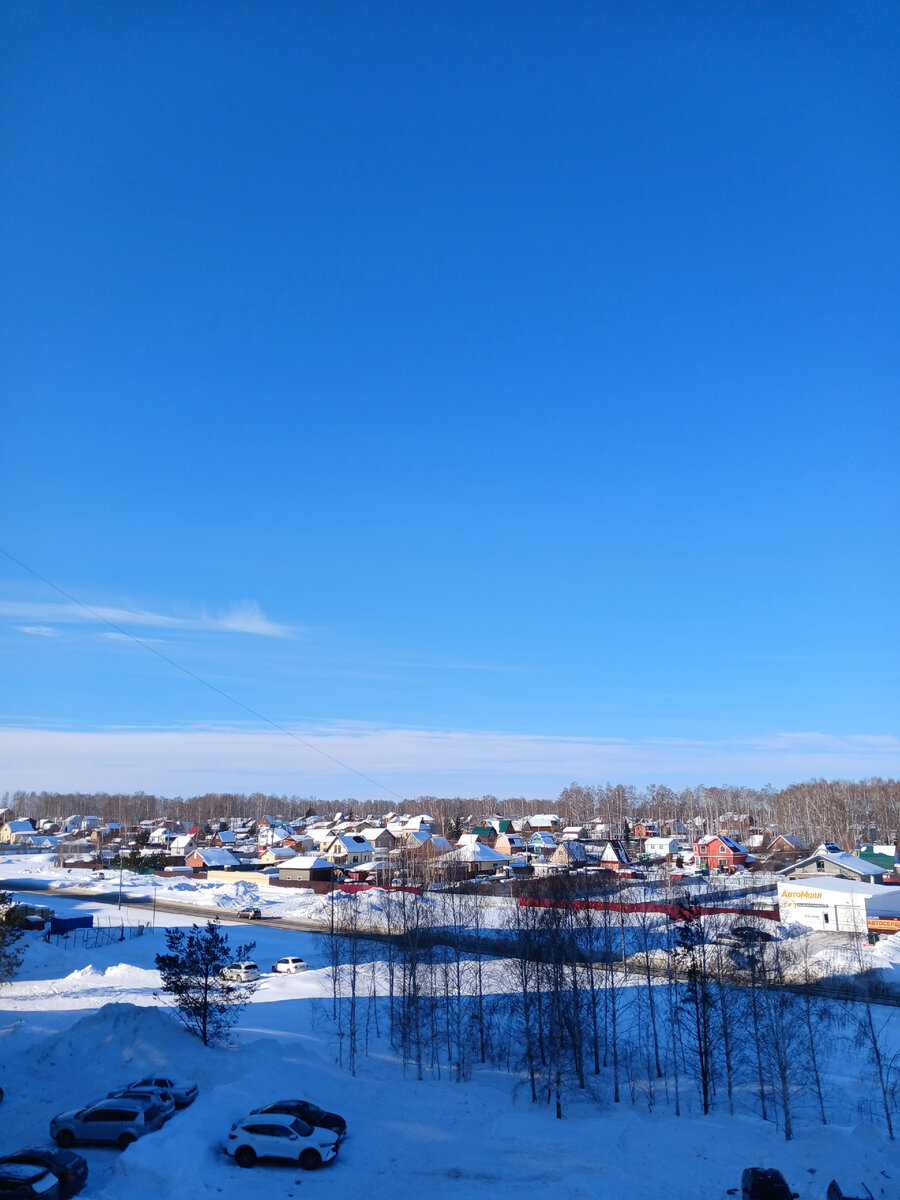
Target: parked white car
240,972
183,1091
277,1135
289,966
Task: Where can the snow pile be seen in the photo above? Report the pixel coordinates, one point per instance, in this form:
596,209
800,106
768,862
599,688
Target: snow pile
117,1038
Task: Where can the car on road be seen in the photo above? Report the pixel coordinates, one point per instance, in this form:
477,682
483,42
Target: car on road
250,914
24,1181
279,1136
311,1114
69,1168
108,1122
765,1183
159,1096
748,934
289,966
240,972
183,1091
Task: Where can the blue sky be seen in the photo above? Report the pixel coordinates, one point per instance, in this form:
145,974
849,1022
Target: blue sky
495,394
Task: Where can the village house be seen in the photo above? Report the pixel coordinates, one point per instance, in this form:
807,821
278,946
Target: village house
718,851
472,859
838,864
575,833
543,844
182,845
273,834
211,858
422,821
509,843
642,829
788,843
672,827
614,857
224,837
882,855
306,868
299,843
544,823
662,847
485,833
348,850
380,839
16,831
570,854
273,856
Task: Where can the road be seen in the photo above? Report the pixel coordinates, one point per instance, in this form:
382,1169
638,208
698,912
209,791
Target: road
146,900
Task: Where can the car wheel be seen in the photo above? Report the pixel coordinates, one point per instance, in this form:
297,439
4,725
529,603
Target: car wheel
245,1156
65,1139
310,1160
125,1140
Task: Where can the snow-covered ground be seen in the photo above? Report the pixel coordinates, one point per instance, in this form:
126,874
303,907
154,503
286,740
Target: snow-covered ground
78,1022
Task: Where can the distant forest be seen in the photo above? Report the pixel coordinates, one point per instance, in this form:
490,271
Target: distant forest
819,809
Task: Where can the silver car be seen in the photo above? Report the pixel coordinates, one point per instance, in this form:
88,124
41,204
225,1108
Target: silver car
119,1122
165,1100
183,1091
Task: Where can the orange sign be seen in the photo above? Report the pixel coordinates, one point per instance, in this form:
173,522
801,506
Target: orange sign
884,924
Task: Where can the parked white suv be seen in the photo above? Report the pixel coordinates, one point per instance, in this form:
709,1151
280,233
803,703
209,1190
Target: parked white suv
289,966
277,1135
240,972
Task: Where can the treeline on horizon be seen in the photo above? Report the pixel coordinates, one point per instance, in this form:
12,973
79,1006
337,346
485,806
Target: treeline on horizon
844,811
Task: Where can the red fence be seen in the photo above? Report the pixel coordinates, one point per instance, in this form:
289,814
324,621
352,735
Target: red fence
323,886
675,912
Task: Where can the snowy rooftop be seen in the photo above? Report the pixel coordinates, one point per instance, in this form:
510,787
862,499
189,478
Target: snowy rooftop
848,862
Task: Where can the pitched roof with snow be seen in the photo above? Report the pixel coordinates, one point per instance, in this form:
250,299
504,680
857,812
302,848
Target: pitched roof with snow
843,860
475,852
215,856
306,862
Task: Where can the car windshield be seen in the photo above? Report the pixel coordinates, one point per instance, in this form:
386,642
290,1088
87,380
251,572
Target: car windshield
301,1127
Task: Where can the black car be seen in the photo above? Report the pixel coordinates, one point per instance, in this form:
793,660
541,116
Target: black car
764,1183
310,1113
69,1168
23,1181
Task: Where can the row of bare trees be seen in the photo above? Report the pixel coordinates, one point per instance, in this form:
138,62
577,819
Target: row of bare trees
579,999
837,810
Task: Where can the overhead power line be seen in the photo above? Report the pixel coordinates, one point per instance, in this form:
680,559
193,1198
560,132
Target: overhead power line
98,616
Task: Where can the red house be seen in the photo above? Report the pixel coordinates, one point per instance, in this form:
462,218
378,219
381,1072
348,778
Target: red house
718,850
644,829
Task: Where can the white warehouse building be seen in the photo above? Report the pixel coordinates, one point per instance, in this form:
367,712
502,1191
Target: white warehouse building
840,905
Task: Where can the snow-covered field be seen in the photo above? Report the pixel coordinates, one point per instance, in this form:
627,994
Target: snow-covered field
78,1022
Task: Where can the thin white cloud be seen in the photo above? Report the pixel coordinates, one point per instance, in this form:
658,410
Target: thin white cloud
113,635
415,762
244,617
39,630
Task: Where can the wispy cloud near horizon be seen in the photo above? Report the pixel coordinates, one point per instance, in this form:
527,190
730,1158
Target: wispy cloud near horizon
245,617
416,762
38,630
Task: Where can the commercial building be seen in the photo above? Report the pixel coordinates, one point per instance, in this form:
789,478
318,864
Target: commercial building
840,905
